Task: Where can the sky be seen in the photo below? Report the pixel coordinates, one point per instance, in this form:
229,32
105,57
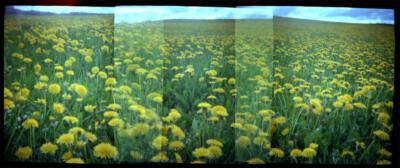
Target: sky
334,14
151,13
145,13
254,12
148,13
67,9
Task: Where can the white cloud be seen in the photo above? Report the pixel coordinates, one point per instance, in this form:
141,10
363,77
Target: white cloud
67,9
332,14
249,12
152,13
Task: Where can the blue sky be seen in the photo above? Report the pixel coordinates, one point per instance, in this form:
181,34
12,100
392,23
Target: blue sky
151,13
250,12
146,13
348,15
66,9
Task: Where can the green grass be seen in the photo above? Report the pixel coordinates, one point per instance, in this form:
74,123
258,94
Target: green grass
173,59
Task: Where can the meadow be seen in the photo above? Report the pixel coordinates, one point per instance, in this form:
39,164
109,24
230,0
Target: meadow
333,85
86,90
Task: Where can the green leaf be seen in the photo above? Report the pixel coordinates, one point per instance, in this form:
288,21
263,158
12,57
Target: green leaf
195,124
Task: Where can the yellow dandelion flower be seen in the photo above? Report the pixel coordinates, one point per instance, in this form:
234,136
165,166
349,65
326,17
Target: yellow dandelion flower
36,114
255,161
41,101
313,145
116,122
360,144
197,162
67,155
110,114
297,99
111,81
91,137
30,123
316,106
160,157
384,152
75,161
383,162
58,107
67,139
178,132
296,153
347,153
43,78
178,158
70,72
278,90
22,95
219,110
211,72
103,75
266,113
7,93
215,151
114,106
277,152
140,129
176,145
81,90
243,141
80,144
279,120
389,104
8,104
219,90
212,97
88,58
360,105
348,106
237,125
203,105
23,153
59,75
285,132
214,142
302,106
382,135
66,96
76,131
173,115
338,104
90,108
309,153
345,98
231,81
159,142
260,140
40,85
48,148
105,150
70,119
201,152
383,117
136,155
95,69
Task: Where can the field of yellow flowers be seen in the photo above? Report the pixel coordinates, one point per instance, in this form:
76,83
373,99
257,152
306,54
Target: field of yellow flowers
85,90
332,93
